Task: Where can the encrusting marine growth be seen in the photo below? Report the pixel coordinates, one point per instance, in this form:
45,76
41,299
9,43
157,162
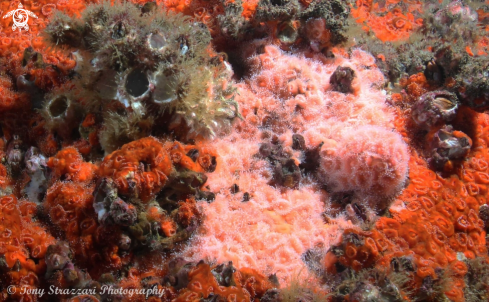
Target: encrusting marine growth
245,150
140,70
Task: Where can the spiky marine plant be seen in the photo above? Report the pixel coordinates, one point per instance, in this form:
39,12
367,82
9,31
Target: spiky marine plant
147,64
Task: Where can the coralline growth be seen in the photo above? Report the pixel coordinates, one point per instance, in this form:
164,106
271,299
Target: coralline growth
223,150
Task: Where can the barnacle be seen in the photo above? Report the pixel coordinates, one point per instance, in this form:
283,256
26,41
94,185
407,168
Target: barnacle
142,61
61,112
435,107
63,30
341,79
449,145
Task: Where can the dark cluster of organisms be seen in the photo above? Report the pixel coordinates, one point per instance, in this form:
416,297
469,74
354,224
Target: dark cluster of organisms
143,72
140,71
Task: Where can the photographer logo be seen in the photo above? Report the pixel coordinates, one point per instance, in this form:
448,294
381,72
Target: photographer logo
20,17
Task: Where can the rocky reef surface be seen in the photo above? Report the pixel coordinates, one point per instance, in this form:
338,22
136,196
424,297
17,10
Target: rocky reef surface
245,150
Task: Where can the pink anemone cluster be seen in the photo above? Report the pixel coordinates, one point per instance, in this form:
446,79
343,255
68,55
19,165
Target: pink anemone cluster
268,227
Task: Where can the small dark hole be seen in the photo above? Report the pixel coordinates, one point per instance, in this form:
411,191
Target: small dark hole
58,106
145,166
278,2
137,83
75,134
337,8
42,195
213,165
119,31
193,154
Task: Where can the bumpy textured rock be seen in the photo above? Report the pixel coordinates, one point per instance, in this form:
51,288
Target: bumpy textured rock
155,65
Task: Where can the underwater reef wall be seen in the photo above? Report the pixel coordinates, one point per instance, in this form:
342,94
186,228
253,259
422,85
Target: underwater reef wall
291,111
244,150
